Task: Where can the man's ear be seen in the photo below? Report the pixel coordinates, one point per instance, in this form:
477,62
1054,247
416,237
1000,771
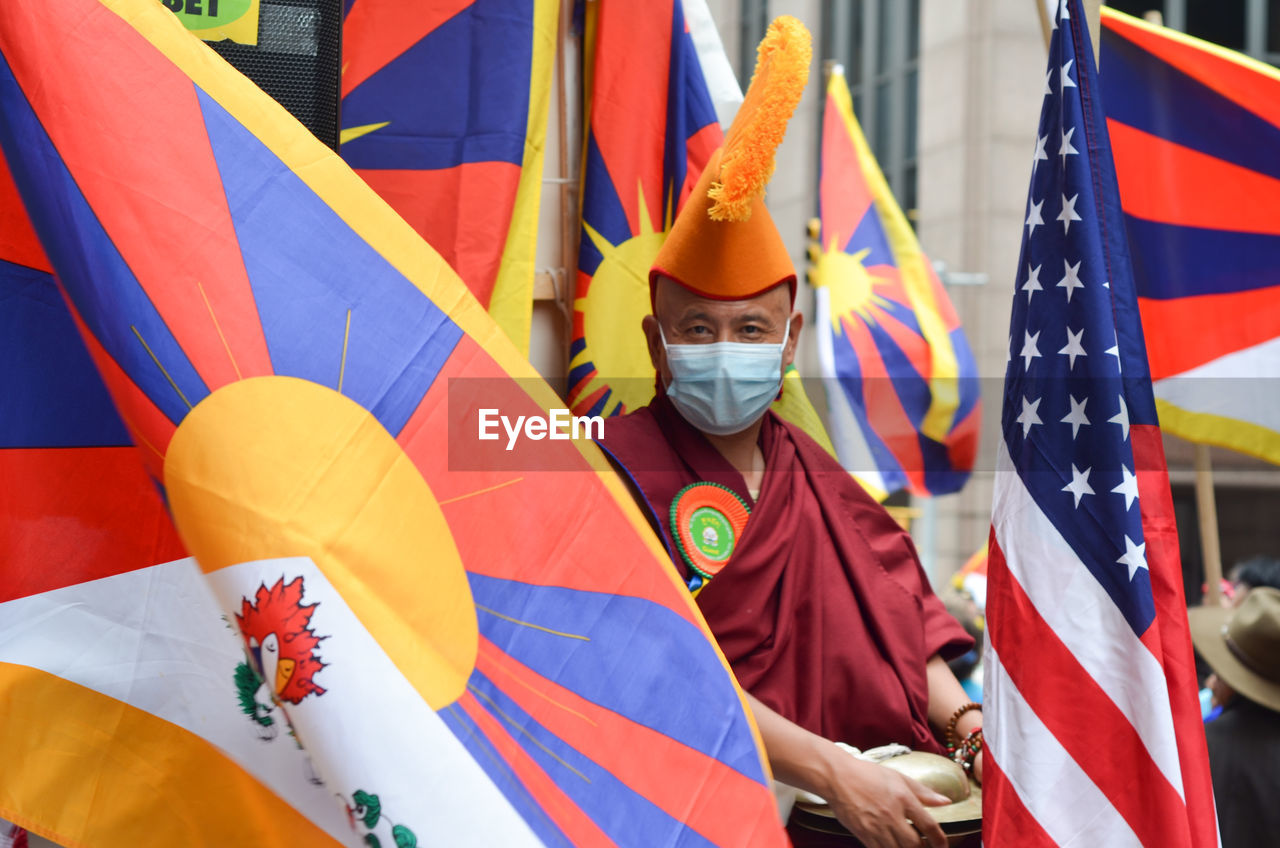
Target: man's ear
653,339
797,324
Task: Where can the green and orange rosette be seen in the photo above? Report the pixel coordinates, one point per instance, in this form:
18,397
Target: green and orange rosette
707,520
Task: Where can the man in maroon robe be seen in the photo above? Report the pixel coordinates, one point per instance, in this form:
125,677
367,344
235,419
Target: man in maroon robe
818,601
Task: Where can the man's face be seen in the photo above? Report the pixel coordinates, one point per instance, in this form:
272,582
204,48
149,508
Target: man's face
686,318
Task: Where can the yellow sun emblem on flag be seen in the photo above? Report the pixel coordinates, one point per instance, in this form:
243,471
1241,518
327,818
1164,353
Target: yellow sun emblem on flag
851,287
616,300
364,516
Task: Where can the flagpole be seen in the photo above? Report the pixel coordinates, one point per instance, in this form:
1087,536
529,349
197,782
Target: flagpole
1045,26
568,203
1092,12
1207,512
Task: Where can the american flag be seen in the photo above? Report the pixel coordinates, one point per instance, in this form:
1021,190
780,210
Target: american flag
1092,725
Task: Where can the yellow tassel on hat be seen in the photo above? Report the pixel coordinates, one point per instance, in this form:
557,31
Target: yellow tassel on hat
724,244
747,160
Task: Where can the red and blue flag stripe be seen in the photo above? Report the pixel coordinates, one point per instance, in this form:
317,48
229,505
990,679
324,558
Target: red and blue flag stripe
76,504
444,109
1194,129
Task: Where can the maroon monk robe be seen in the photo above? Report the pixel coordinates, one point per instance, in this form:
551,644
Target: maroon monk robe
823,611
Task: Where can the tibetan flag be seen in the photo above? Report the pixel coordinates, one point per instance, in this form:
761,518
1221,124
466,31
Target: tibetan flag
1092,724
444,112
651,128
462,659
1196,133
722,84
105,624
906,411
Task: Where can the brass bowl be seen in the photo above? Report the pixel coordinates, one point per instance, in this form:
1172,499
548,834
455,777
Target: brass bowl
960,820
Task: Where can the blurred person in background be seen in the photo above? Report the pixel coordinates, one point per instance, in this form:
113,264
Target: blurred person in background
1245,575
968,666
1242,646
1249,574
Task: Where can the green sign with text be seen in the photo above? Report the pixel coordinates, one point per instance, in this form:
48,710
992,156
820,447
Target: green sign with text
218,20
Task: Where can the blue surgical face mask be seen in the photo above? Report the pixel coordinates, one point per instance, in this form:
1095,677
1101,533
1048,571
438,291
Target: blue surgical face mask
723,387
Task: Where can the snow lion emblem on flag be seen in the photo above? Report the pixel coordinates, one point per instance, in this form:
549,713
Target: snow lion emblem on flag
282,648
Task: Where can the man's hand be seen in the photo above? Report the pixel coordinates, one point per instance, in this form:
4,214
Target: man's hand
876,804
883,808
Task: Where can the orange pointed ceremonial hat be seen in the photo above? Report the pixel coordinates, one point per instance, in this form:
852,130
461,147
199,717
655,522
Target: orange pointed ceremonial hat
724,244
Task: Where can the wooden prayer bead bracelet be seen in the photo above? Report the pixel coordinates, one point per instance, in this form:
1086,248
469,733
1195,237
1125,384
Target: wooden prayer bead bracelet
952,739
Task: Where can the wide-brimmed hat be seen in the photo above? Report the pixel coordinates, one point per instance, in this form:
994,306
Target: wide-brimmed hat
1242,646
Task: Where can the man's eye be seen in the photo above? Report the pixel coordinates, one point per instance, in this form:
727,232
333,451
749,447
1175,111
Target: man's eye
699,330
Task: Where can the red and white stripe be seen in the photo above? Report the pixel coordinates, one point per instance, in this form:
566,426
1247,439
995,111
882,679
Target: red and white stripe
1079,723
1058,802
